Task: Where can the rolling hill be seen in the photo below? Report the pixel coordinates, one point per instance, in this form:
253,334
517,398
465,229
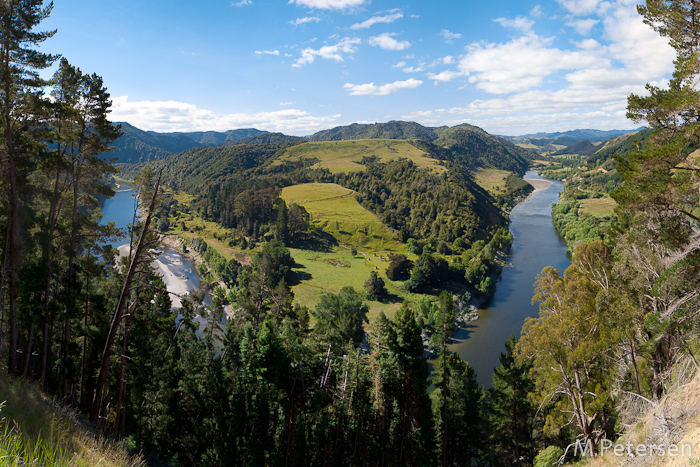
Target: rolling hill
136,145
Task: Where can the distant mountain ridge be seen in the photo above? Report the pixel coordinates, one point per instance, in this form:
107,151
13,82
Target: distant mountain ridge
466,141
389,130
581,134
136,145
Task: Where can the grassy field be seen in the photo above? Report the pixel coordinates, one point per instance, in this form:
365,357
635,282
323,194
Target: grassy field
599,207
335,210
322,273
491,180
345,156
35,431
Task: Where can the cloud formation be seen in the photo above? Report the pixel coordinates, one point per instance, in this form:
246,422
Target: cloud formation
329,4
522,23
583,26
328,52
390,18
306,19
449,36
166,116
386,41
542,86
370,89
267,52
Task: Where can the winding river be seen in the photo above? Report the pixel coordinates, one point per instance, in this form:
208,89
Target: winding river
536,244
179,274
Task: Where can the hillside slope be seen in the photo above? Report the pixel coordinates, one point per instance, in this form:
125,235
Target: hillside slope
472,146
34,430
389,130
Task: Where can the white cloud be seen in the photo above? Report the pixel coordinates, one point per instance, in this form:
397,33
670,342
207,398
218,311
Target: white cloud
521,23
329,4
286,103
445,76
583,26
329,52
515,66
449,36
401,64
413,69
370,89
536,11
390,18
267,52
306,19
180,116
387,42
547,88
580,7
242,3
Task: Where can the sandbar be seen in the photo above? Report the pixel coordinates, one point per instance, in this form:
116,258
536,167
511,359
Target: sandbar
538,184
179,278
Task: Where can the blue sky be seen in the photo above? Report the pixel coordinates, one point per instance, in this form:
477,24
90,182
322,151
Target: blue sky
511,67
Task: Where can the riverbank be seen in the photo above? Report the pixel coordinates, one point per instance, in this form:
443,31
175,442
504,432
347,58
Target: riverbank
535,245
172,266
538,184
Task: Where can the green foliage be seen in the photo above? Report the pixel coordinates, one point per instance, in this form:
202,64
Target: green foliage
341,317
399,267
548,456
428,271
512,411
374,287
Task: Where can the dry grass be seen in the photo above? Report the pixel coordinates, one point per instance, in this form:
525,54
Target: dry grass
35,431
491,180
599,207
345,156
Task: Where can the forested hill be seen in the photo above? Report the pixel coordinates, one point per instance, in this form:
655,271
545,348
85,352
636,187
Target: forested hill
265,138
582,148
470,145
387,175
390,130
136,145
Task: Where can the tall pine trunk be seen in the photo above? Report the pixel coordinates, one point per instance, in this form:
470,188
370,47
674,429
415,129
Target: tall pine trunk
119,311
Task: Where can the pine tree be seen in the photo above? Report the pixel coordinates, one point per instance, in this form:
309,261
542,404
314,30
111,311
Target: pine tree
20,102
657,202
512,413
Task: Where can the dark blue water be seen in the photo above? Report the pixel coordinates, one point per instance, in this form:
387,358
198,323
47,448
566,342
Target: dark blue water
119,209
171,265
536,244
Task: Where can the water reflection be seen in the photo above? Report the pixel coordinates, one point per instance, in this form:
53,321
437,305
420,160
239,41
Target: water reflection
536,244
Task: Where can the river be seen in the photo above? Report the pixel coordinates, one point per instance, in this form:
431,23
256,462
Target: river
536,244
179,274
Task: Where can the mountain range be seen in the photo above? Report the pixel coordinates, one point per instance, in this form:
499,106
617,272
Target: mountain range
136,145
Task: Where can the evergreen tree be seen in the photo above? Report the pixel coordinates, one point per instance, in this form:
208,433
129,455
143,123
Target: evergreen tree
21,105
658,199
374,287
512,413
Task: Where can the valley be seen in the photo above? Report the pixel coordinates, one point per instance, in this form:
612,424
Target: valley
328,293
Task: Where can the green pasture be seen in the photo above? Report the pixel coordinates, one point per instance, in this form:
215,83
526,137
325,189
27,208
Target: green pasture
328,272
491,180
599,207
335,210
346,156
